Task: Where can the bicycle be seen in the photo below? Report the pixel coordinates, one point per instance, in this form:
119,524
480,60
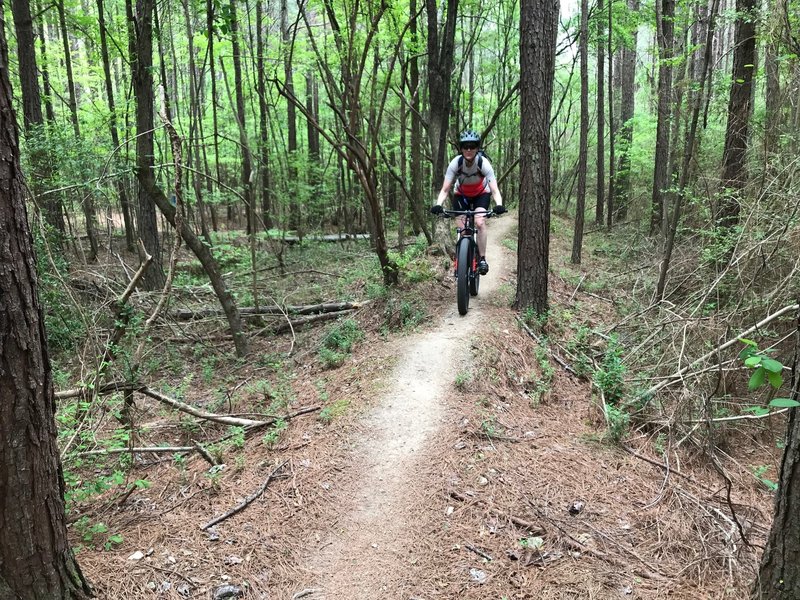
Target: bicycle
465,264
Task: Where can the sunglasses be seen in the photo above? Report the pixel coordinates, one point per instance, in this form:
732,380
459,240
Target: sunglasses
469,146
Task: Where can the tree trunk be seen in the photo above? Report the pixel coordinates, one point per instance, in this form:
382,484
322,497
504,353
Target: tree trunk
627,78
665,18
141,64
112,124
415,90
611,128
210,32
203,253
32,112
440,68
601,116
247,187
263,131
538,26
291,118
48,91
779,573
195,132
740,109
73,101
687,156
580,202
772,89
36,561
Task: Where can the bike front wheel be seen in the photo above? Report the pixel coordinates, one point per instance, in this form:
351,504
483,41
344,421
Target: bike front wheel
463,258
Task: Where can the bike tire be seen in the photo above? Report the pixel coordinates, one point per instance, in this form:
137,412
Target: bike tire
474,276
462,275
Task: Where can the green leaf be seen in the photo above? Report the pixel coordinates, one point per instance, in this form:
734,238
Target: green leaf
772,365
775,379
784,403
759,411
757,379
753,361
748,342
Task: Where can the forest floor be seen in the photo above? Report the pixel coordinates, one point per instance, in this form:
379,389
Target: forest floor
456,460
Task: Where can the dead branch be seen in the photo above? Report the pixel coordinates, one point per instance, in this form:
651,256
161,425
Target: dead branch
533,528
291,325
107,451
247,501
204,453
308,309
678,375
564,364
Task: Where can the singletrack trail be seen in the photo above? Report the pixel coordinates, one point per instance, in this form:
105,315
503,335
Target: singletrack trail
363,554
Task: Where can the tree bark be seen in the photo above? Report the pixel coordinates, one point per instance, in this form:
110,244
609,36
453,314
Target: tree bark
779,573
740,109
538,25
665,18
415,91
112,124
291,118
141,64
36,561
601,116
48,91
627,78
263,131
611,128
580,202
441,50
32,112
241,116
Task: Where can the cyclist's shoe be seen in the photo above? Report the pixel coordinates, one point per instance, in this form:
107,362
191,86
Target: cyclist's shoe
483,266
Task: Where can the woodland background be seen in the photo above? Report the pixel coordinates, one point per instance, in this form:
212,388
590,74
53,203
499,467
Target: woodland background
252,127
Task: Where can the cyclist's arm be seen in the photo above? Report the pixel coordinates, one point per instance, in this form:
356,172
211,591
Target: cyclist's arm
498,199
445,191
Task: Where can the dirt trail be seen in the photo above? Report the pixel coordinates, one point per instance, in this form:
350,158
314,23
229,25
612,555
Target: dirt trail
361,555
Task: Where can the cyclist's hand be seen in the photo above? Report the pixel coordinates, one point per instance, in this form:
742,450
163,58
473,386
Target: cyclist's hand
499,209
437,209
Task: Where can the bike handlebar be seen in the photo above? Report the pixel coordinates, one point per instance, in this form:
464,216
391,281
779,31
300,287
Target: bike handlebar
447,214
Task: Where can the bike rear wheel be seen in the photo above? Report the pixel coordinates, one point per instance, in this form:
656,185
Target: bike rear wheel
463,258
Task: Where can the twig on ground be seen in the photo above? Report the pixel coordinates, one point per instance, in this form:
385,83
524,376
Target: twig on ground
478,551
534,528
247,501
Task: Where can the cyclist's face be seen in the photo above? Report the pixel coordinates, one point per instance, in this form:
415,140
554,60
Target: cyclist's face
468,150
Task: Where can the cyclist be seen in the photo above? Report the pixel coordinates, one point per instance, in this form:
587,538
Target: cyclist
475,185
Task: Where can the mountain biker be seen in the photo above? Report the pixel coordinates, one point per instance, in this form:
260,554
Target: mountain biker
475,185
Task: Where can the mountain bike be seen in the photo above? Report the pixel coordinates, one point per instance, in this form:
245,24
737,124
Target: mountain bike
465,264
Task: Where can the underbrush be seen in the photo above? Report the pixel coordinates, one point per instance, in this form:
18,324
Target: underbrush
307,317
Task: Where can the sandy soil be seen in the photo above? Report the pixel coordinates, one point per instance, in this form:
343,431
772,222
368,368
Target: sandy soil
360,558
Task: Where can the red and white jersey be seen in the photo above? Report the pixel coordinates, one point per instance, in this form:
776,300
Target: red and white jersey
471,180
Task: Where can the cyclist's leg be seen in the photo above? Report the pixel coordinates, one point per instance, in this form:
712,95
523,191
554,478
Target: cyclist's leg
460,203
481,204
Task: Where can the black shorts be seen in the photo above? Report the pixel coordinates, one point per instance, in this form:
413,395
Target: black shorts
463,203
